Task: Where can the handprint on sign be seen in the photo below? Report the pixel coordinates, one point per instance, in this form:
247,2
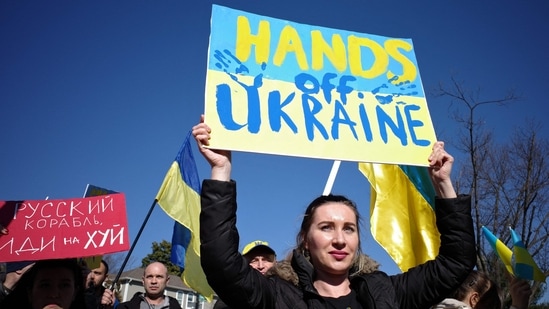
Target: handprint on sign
395,90
227,62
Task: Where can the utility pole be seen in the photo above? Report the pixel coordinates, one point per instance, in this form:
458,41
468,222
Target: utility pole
197,301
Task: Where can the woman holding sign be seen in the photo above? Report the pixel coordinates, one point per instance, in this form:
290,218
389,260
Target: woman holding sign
327,265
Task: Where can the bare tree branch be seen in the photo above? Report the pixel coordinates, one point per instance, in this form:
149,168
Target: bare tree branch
508,183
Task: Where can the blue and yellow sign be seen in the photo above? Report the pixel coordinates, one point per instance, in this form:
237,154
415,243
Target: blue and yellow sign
279,87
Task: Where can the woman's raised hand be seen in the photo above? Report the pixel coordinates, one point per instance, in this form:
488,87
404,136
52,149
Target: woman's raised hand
219,160
440,167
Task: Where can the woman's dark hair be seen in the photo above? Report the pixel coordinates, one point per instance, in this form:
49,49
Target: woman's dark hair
488,291
18,298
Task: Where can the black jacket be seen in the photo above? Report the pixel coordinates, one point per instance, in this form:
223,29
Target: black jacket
219,304
240,286
137,298
93,297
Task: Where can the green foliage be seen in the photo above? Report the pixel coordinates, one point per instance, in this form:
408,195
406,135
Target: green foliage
161,252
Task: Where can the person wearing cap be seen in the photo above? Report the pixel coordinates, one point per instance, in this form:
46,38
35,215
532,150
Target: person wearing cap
260,256
14,271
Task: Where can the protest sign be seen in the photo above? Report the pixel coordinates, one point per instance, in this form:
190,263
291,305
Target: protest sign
279,87
93,262
67,228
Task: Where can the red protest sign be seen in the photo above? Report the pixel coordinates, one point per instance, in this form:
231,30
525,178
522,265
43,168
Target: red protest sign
79,227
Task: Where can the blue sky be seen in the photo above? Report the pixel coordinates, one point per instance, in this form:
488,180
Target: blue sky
103,92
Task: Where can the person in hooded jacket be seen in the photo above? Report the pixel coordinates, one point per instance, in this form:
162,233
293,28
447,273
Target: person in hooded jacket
327,268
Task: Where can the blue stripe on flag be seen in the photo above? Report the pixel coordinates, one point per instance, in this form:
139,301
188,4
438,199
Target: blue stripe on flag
189,173
180,242
402,206
419,177
524,264
187,165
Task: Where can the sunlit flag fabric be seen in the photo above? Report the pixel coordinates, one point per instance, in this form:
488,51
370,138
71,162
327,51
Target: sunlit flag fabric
524,265
402,215
179,197
505,254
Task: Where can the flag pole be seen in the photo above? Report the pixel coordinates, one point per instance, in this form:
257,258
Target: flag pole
331,177
133,245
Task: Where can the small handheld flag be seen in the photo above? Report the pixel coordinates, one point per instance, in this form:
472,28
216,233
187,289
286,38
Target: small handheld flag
518,261
505,254
523,263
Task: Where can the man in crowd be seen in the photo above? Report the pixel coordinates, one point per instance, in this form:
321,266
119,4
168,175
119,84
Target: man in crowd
260,256
94,285
155,278
13,272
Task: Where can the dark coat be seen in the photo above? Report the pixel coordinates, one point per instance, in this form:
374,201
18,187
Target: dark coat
93,297
240,286
137,298
219,304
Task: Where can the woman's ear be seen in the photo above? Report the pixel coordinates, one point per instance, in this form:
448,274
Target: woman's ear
473,299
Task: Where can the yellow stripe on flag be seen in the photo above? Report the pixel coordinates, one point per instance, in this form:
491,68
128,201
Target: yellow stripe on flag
182,203
402,220
502,251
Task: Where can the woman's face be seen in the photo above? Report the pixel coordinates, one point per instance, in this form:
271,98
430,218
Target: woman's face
53,288
332,239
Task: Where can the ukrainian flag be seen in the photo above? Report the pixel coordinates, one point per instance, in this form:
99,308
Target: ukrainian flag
502,251
402,215
179,197
524,265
